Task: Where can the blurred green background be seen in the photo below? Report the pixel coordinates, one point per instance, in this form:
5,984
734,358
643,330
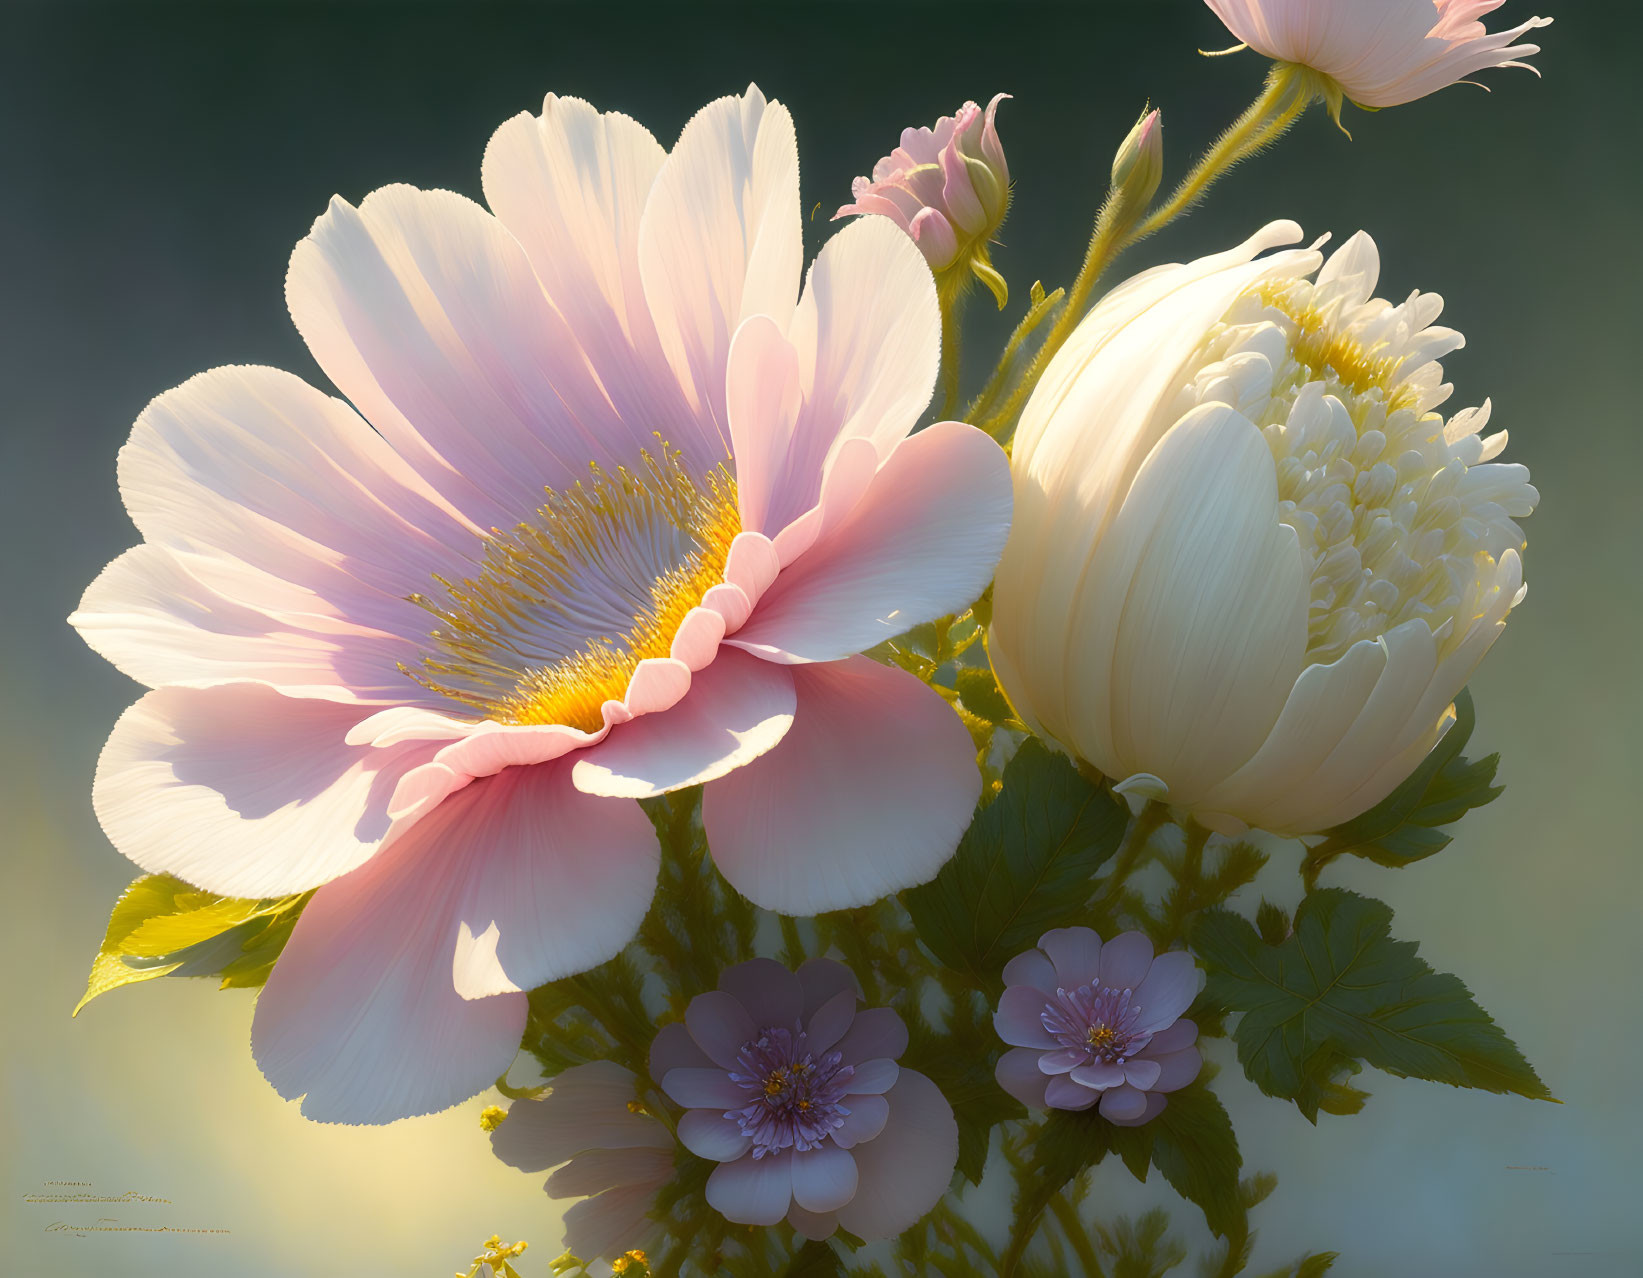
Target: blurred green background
158,163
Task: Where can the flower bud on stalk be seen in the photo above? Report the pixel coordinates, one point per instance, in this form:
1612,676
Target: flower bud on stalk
949,189
1138,167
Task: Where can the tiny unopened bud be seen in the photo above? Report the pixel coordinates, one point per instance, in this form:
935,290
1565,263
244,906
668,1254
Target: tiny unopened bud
1138,167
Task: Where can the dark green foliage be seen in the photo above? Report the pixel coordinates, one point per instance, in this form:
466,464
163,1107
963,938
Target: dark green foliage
1025,865
815,1260
1403,827
1342,982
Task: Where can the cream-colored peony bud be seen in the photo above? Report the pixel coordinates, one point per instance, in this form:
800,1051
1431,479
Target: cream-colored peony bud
1251,565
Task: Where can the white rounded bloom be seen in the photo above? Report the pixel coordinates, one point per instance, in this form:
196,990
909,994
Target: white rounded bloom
1251,565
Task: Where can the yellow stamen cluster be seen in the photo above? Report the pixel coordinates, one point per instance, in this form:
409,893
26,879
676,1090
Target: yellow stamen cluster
566,605
1317,343
1102,1036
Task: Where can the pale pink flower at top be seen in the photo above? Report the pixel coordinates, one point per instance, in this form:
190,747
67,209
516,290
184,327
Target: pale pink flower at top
797,1096
612,512
608,1152
1381,52
1098,1024
948,187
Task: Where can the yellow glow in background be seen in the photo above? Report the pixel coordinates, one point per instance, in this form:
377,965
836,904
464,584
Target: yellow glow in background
158,165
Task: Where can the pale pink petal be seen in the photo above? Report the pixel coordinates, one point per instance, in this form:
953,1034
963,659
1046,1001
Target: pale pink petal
823,1179
762,393
360,1015
831,1020
1019,1018
674,1048
815,1226
904,1170
922,541
657,684
821,979
1098,1074
1075,953
585,1108
1123,1104
709,1134
709,1088
1018,1073
771,993
160,624
1142,1072
610,1223
845,478
720,240
1032,968
242,791
595,1170
428,315
867,333
735,711
571,185
752,564
1167,990
1175,1069
876,1032
1172,1039
557,880
1125,960
873,1077
824,821
752,1191
866,1120
1061,1092
720,1025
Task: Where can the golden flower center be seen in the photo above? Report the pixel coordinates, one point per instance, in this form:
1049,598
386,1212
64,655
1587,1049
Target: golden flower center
564,606
1394,513
1101,1036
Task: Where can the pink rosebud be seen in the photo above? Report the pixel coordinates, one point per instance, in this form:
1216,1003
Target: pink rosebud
1139,165
1380,54
947,187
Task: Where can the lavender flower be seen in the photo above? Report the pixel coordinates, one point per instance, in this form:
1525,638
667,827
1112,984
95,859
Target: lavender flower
615,1155
799,1099
1098,1023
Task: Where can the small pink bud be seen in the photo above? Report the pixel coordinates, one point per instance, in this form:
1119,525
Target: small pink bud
947,187
1138,167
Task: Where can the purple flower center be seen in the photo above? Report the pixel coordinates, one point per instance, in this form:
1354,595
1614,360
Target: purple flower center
1096,1020
794,1095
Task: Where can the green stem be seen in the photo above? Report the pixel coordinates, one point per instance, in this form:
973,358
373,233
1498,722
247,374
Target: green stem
1066,1216
1287,94
952,339
1043,306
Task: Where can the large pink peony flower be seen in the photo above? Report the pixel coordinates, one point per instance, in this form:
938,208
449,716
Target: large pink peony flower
616,511
1381,52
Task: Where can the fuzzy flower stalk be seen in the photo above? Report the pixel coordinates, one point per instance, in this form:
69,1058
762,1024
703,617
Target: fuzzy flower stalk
1253,564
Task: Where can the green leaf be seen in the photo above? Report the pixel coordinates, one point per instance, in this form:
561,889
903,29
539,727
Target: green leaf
980,693
1324,1085
1341,981
162,926
815,1260
1025,865
1402,828
1271,922
1191,1143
